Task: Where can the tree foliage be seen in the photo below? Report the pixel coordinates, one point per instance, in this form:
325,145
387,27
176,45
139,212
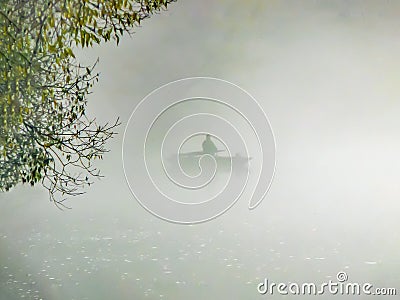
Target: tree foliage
45,135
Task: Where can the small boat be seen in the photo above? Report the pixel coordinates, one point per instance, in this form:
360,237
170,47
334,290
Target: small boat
190,160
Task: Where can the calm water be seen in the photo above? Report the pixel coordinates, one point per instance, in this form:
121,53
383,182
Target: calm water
101,258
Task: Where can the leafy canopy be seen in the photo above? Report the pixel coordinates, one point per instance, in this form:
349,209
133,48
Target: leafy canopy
45,135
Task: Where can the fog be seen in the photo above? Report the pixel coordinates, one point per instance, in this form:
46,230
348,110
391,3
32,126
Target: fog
325,72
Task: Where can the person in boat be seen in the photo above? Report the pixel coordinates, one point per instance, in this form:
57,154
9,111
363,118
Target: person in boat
209,146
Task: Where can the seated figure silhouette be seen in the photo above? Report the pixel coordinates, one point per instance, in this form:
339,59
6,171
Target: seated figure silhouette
209,146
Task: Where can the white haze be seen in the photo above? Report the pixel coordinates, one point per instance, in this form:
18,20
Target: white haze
326,73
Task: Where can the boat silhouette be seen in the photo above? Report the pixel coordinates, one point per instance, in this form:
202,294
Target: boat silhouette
189,161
